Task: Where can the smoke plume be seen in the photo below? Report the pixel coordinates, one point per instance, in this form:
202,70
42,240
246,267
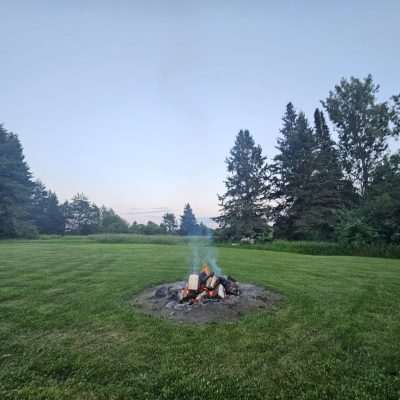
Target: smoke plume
202,251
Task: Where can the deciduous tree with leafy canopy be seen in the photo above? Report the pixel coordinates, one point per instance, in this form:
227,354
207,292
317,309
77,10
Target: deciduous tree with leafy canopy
363,124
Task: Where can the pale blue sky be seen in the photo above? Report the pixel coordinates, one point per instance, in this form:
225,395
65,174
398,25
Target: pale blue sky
137,104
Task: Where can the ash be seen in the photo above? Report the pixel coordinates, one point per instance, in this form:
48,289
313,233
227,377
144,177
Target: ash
166,301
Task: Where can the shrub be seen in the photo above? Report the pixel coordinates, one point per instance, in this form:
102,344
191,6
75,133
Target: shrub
353,230
26,230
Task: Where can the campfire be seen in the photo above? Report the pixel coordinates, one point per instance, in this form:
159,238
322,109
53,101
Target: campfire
206,296
206,286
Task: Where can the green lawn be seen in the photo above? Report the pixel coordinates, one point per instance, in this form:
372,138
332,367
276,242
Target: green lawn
67,330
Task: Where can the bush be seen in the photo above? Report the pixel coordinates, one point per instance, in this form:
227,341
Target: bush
26,230
353,230
378,249
136,239
145,239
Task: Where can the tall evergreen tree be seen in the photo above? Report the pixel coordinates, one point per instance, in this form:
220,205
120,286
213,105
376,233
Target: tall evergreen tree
188,224
15,187
329,190
243,206
363,125
281,173
292,177
46,212
55,214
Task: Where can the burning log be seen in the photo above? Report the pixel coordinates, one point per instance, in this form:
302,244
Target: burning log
207,285
193,282
200,296
212,282
221,291
183,294
230,285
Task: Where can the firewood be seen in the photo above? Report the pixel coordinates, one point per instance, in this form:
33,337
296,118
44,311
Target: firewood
212,282
205,273
193,282
200,296
203,276
184,294
221,291
232,288
223,281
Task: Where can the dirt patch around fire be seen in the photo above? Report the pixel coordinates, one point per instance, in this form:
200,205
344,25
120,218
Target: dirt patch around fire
162,301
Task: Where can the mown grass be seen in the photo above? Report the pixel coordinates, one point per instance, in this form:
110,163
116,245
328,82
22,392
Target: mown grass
67,330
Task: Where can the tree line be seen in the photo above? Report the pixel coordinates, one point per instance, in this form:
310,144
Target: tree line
28,208
316,188
82,217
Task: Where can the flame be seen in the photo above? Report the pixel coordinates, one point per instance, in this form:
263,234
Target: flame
206,269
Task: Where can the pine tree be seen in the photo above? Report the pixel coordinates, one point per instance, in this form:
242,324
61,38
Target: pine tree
243,206
45,210
188,224
55,214
281,173
15,187
293,168
326,182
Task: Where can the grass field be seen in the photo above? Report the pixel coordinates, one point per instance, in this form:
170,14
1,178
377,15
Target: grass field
67,330
299,247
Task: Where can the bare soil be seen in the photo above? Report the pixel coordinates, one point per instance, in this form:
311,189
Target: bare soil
162,301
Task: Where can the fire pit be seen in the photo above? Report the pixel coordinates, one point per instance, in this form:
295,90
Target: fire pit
205,297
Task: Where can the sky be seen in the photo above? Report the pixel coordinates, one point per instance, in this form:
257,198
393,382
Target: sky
137,103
